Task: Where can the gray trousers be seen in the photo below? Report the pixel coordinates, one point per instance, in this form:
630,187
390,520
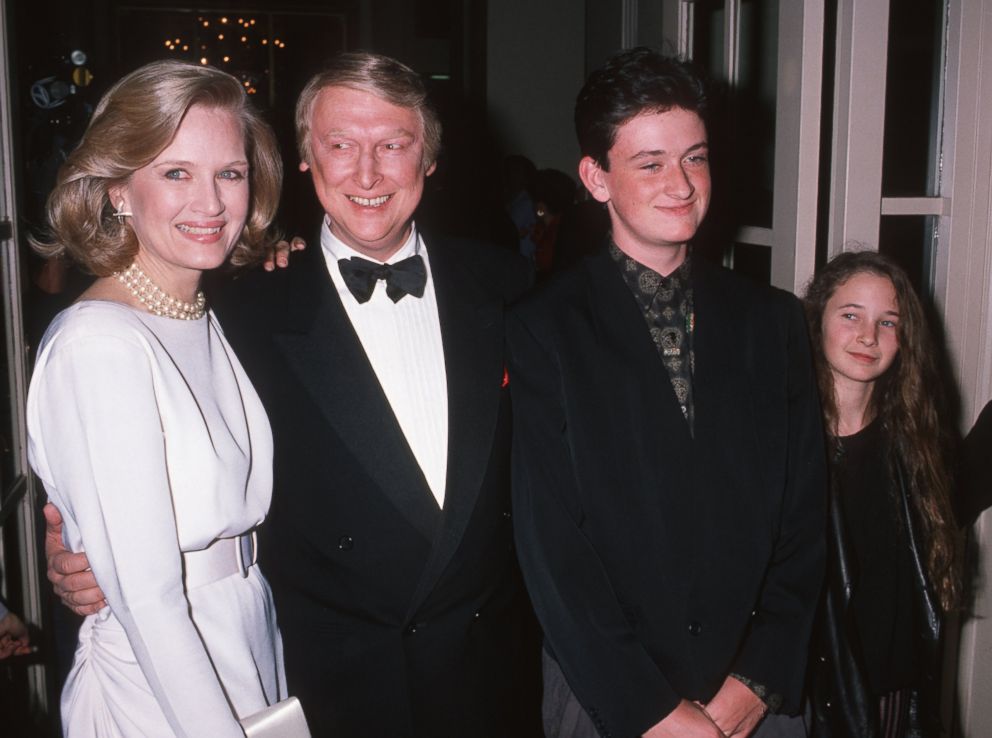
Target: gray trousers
564,717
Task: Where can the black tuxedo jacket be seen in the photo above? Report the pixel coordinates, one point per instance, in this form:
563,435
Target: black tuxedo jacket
660,562
398,618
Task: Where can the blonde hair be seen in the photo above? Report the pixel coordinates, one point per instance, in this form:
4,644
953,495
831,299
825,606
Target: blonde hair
133,123
378,75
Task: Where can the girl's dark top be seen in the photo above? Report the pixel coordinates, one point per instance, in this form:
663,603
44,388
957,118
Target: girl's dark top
882,573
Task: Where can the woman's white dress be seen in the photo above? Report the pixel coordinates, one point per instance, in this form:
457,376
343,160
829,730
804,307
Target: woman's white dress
150,439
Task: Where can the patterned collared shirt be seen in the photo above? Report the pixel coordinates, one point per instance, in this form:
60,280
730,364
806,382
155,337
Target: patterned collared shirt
666,303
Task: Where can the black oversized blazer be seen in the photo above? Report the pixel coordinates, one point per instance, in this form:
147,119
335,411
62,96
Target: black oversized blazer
658,562
398,619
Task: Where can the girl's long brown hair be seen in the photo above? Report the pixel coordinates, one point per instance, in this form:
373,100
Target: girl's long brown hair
907,399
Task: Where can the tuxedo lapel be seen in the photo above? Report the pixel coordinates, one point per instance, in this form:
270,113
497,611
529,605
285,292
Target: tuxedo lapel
322,348
472,336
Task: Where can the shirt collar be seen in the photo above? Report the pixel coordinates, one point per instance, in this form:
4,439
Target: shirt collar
631,269
337,249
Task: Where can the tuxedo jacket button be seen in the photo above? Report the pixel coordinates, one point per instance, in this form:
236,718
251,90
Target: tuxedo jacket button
346,543
695,628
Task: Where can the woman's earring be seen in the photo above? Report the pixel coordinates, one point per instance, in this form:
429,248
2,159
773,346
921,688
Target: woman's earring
121,213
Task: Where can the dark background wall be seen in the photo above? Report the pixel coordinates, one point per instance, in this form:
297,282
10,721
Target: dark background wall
504,73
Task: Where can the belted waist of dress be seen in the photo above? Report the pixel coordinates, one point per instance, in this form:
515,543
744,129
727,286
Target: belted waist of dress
222,558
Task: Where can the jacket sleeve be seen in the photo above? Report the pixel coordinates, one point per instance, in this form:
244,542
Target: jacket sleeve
975,490
774,653
614,678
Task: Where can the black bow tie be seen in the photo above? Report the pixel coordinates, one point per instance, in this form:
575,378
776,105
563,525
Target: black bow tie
406,277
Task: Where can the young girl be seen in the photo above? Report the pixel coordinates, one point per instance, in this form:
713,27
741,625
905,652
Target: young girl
892,566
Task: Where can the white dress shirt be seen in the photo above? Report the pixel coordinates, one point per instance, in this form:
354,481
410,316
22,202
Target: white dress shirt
402,341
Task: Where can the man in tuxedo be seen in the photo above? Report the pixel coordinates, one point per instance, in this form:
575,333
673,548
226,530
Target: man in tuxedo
379,358
668,463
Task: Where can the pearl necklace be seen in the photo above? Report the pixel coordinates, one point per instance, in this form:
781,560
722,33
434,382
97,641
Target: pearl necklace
157,300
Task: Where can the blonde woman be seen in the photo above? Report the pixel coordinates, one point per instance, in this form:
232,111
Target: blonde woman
142,425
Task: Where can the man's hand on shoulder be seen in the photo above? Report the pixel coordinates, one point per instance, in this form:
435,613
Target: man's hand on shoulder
688,720
736,709
278,255
69,572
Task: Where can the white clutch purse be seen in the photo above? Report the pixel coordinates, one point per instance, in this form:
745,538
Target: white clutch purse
282,720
